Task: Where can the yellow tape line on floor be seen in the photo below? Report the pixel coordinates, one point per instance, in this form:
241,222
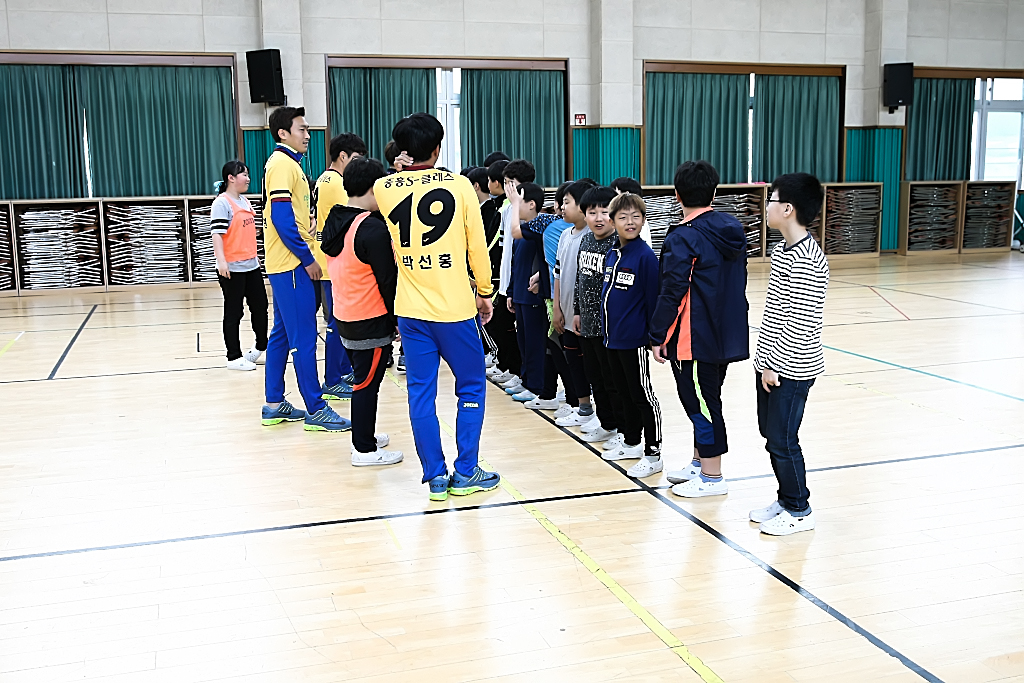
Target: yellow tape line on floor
10,343
649,620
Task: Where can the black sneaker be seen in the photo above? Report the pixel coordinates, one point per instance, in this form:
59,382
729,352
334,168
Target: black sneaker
401,363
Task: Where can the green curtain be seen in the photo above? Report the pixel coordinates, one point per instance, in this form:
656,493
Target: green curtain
796,126
521,113
39,112
875,155
259,144
939,129
1018,226
370,101
604,154
696,116
156,130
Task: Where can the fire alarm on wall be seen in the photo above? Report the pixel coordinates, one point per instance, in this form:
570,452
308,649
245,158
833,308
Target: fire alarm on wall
581,119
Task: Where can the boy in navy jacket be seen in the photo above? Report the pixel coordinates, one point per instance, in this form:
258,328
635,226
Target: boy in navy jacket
628,299
700,322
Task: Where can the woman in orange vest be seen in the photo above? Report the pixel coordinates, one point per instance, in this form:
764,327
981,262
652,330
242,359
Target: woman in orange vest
233,229
361,264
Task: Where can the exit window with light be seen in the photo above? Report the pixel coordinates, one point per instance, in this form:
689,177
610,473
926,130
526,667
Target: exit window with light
997,145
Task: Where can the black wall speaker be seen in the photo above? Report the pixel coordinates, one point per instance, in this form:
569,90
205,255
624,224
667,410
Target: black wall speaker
898,84
265,81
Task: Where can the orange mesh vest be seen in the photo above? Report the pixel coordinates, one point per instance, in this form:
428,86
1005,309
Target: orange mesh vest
356,296
240,239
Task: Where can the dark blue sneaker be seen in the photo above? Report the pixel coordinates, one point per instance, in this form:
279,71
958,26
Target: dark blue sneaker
326,420
350,378
285,412
401,363
342,391
439,487
481,480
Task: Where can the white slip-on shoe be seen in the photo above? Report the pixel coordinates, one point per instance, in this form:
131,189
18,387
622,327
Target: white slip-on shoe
492,371
382,440
593,425
764,514
378,457
564,410
625,452
689,472
600,434
784,524
501,377
541,404
490,360
698,488
615,443
254,355
240,364
574,419
511,382
645,468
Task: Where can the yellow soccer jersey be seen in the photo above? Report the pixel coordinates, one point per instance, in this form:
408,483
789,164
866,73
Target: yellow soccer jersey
328,193
283,180
435,223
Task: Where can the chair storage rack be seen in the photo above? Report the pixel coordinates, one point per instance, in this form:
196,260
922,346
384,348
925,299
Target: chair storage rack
988,216
851,220
931,217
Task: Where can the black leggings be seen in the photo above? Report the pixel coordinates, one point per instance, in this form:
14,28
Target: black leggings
631,372
369,366
573,352
607,401
502,329
556,366
246,286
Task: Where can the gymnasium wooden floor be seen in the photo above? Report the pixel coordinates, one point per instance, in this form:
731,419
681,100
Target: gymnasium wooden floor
152,530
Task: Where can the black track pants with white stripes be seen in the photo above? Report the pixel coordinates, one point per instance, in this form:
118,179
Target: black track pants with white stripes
631,372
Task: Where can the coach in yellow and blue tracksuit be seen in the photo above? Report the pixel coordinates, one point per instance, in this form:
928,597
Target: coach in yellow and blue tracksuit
435,224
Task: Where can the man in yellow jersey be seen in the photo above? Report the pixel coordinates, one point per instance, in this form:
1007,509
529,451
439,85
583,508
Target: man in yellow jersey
328,193
435,224
293,272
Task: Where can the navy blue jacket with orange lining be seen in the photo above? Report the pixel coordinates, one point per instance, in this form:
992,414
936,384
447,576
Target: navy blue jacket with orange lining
628,294
701,312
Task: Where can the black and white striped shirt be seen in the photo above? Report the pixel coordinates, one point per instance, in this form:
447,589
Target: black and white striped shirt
790,338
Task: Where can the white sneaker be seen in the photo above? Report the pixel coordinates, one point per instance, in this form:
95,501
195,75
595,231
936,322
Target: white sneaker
378,457
645,468
564,410
541,404
489,360
502,376
592,425
614,443
492,371
784,524
382,440
689,472
515,389
573,419
241,364
764,514
560,396
511,382
599,434
698,488
254,355
625,452
524,396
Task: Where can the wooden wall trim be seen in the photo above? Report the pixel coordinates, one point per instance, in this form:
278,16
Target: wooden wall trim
119,58
956,72
538,64
744,68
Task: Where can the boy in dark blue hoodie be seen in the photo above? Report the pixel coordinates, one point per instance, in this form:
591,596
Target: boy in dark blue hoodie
628,298
700,322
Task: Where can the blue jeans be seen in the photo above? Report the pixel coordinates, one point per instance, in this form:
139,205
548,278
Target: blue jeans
426,342
295,330
779,414
336,361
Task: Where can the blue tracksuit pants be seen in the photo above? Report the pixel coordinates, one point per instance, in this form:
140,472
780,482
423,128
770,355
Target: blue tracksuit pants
459,344
336,362
294,330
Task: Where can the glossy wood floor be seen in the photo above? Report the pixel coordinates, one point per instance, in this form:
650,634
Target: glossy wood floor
245,553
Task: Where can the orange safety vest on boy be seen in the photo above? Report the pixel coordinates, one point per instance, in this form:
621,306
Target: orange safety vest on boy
356,296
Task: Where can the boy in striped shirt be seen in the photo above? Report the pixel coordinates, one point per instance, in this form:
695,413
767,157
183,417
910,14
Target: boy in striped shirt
789,353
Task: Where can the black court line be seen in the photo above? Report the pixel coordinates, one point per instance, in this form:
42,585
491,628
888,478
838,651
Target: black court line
772,571
72,342
311,525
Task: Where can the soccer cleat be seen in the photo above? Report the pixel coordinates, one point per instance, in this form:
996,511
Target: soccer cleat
625,452
574,419
689,472
698,488
481,480
764,514
599,434
615,443
241,363
342,391
514,389
564,410
284,412
401,363
439,487
377,457
254,355
592,425
785,523
539,403
645,468
326,420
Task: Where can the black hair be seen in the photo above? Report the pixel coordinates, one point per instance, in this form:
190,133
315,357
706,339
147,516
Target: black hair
578,189
466,170
532,192
281,119
496,171
391,152
521,170
349,143
597,196
695,183
625,185
593,183
419,135
233,167
478,176
803,191
560,192
495,156
360,175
